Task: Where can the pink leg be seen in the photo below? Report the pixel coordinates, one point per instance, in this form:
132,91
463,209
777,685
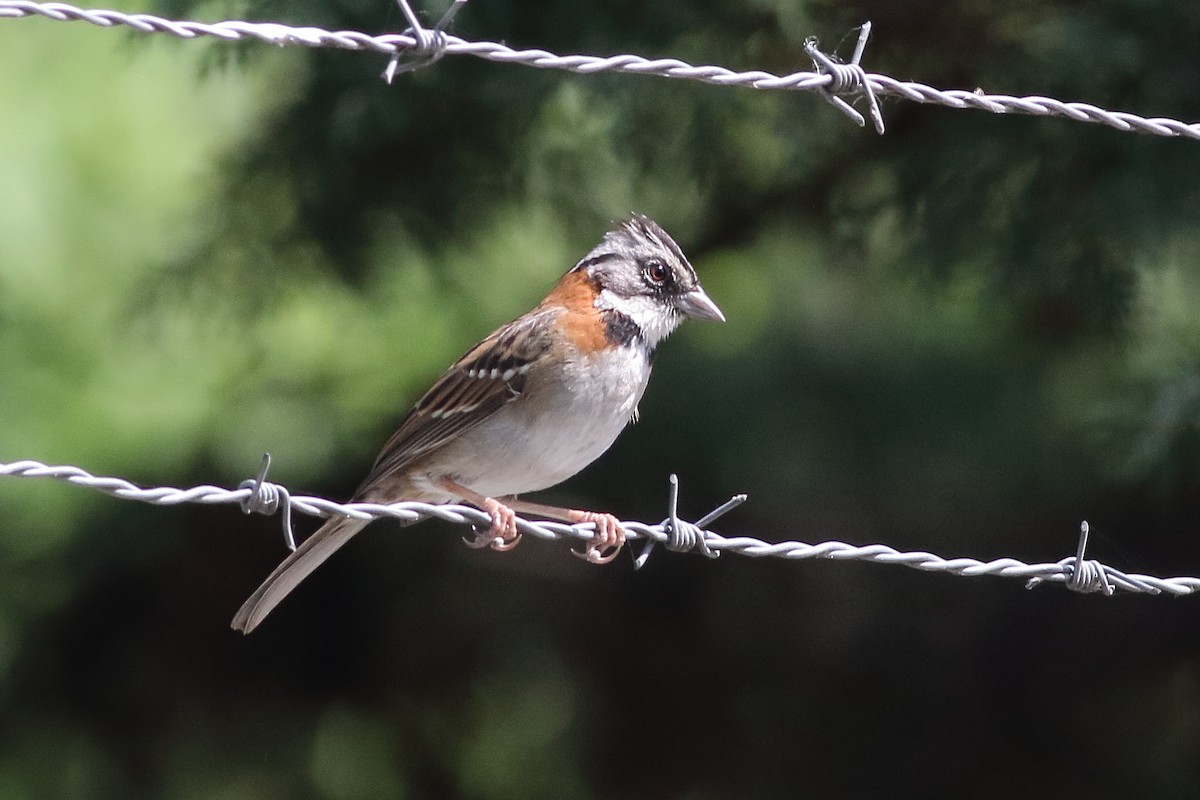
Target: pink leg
503,535
610,536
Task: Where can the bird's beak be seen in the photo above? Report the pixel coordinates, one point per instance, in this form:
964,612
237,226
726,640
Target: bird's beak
697,305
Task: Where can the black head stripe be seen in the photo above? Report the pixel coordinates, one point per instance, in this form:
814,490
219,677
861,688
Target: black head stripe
642,227
594,260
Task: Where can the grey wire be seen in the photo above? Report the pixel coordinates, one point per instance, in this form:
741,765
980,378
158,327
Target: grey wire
275,33
1059,572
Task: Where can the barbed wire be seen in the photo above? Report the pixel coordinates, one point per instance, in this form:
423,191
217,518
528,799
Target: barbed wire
428,46
261,496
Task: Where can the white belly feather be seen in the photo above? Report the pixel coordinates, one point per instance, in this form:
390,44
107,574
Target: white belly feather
559,426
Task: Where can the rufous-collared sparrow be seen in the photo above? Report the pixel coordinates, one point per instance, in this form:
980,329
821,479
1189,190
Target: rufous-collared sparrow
529,406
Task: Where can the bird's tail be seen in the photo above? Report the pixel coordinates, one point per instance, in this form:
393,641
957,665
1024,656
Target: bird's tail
295,568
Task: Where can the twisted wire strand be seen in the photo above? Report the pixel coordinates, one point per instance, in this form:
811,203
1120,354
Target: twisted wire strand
1091,576
279,34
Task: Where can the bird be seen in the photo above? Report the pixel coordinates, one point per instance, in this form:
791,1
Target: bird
529,406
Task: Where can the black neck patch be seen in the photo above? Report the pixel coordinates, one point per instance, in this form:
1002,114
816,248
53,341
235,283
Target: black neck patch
620,329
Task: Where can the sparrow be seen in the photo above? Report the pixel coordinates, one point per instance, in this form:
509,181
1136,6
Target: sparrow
530,405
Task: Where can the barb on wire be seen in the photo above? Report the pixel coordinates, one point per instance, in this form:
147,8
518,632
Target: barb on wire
683,536
1087,576
430,44
275,33
1065,571
267,498
847,79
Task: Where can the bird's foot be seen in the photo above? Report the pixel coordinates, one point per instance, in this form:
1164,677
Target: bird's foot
503,535
607,540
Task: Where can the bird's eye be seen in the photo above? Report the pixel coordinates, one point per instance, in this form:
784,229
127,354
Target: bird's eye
656,272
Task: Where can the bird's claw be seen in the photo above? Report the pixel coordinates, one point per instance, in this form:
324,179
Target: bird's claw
606,542
503,535
503,545
595,555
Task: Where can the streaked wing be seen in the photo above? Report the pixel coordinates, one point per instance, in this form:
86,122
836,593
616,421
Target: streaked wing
490,376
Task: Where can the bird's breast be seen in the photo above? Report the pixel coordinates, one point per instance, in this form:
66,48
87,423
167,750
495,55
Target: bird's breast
564,420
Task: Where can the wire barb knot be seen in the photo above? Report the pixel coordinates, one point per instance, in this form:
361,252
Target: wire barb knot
1088,576
683,536
267,498
429,45
847,79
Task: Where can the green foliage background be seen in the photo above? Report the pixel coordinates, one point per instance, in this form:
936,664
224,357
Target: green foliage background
963,337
